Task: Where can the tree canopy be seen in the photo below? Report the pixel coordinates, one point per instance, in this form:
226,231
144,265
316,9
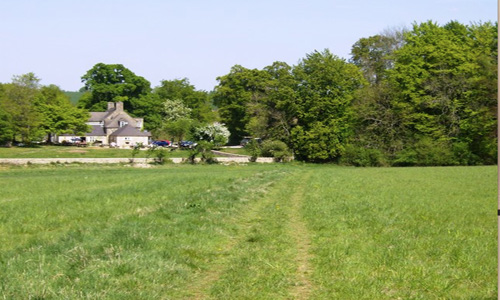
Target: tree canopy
112,83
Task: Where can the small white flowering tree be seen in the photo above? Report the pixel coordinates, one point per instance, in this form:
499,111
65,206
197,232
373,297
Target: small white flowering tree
216,133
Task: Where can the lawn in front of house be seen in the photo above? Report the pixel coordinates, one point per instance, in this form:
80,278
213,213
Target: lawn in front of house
79,152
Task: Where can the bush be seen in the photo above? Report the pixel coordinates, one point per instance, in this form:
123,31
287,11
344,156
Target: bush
253,147
276,149
363,157
427,152
216,133
135,151
205,150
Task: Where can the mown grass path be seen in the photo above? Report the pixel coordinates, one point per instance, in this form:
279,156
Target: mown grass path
299,231
268,256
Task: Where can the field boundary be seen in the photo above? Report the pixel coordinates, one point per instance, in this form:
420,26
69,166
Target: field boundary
175,160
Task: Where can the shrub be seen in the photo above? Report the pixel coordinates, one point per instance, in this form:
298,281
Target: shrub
253,147
205,149
360,156
135,151
216,133
427,152
276,149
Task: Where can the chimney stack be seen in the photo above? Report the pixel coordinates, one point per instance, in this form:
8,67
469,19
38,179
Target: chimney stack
119,106
111,106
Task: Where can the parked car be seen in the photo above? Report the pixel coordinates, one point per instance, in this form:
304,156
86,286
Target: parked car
188,144
161,143
247,139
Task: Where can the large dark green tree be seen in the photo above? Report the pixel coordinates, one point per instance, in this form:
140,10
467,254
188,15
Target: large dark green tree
112,83
377,126
238,97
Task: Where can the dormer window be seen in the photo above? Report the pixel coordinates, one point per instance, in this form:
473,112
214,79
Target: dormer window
122,123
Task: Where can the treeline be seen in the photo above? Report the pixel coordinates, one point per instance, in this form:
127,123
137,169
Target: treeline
30,112
425,96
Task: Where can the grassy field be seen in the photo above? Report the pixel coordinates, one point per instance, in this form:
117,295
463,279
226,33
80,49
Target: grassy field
76,152
247,232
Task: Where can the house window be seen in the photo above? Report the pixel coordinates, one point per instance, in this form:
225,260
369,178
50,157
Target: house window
123,123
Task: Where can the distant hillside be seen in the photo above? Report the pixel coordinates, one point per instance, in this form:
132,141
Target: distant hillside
74,96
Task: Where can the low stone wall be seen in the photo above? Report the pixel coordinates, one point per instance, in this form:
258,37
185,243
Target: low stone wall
176,160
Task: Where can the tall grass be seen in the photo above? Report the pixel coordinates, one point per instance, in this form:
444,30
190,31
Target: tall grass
116,233
415,233
242,232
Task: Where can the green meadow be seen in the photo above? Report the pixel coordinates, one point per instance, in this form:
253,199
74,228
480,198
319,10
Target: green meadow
275,231
79,152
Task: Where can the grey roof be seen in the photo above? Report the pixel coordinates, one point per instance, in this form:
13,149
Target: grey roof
96,131
97,116
129,131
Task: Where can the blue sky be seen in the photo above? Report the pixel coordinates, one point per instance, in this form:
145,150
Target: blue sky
59,40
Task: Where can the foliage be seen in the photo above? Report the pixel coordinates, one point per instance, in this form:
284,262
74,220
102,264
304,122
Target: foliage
198,102
36,111
276,149
179,128
6,128
254,149
175,110
159,155
215,133
360,156
112,83
204,148
136,150
59,115
236,92
427,95
326,89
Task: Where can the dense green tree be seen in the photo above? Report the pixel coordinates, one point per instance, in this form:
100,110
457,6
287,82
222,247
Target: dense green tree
280,102
440,75
178,129
376,123
326,86
174,110
58,114
6,128
198,102
112,83
19,104
239,96
374,56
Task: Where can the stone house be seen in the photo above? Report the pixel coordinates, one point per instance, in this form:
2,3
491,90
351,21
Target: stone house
113,126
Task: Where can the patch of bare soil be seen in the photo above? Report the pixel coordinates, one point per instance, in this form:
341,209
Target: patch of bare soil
76,151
